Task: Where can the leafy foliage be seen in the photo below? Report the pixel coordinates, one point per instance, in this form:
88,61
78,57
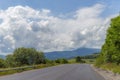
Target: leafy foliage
10,61
62,61
79,59
2,63
23,56
111,49
91,56
28,56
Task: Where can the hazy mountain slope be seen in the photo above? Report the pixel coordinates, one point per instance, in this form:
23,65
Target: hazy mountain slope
69,54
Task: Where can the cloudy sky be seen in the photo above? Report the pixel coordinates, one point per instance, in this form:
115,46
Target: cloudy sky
54,25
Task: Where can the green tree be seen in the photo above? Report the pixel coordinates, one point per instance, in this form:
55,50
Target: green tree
61,61
28,56
110,52
10,61
78,59
50,61
58,60
2,63
64,61
40,58
99,61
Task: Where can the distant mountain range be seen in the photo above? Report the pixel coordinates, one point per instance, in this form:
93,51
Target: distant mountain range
70,54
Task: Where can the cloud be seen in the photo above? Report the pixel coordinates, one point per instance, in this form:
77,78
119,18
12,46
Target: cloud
22,26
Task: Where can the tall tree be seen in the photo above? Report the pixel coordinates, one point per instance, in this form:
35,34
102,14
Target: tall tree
28,56
2,63
111,48
78,59
10,61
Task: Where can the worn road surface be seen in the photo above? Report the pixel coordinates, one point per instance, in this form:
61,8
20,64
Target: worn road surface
61,72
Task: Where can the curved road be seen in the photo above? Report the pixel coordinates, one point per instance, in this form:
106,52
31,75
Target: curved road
62,72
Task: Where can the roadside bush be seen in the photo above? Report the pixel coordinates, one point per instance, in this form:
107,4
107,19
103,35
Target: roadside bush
25,56
62,61
99,61
2,63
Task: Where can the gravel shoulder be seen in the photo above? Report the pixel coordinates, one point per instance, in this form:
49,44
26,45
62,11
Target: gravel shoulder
108,75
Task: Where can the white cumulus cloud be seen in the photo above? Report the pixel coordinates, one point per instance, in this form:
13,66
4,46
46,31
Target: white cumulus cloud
22,26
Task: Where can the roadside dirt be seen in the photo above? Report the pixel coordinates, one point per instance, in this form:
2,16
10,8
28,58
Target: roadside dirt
108,75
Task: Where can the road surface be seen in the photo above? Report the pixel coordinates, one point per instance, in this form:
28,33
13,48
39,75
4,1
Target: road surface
61,72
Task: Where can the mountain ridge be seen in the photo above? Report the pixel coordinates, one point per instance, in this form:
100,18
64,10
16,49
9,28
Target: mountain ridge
67,54
73,53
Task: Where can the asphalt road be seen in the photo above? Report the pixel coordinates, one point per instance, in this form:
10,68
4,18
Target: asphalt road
62,72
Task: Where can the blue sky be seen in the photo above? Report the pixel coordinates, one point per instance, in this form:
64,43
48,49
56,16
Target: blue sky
63,6
55,25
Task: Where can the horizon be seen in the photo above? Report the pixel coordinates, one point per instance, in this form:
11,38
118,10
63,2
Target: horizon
55,26
58,51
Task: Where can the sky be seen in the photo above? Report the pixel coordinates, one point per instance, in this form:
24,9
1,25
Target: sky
55,25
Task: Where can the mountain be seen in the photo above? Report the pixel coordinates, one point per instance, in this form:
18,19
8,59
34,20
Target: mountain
70,54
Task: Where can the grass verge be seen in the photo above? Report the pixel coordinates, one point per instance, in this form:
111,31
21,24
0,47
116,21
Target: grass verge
88,61
112,67
25,68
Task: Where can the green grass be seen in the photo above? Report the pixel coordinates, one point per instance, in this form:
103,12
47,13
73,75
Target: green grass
14,71
71,61
89,61
112,67
20,69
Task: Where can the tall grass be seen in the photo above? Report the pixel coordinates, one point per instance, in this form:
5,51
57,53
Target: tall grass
112,67
7,71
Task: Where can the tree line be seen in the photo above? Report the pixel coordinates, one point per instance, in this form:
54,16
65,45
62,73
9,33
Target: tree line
27,56
110,52
30,56
23,56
